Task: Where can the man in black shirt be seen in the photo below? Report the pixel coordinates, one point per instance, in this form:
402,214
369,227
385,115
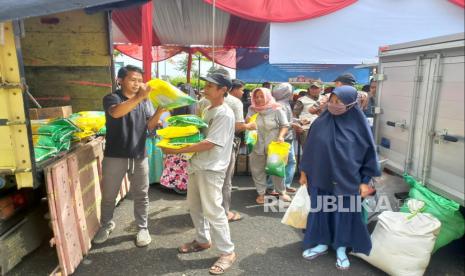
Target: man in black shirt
129,115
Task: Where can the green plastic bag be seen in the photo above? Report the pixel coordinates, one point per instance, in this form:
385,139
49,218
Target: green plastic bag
250,139
192,139
43,153
186,120
447,211
276,159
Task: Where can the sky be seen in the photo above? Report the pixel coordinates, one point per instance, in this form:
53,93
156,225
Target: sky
168,67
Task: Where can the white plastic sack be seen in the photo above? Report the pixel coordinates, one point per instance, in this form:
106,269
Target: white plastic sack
402,242
297,213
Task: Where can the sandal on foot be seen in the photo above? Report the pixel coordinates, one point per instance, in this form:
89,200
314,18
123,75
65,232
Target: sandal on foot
222,264
291,190
272,193
236,217
313,254
193,246
340,264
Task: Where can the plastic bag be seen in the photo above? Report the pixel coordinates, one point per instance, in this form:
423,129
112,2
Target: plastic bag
174,132
447,211
43,153
191,139
402,243
297,213
186,120
168,96
251,136
276,159
89,120
165,143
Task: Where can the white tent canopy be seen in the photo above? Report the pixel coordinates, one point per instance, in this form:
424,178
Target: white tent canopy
354,34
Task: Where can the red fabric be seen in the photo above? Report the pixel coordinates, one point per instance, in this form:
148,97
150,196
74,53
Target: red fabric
237,37
159,53
223,56
460,3
129,22
147,31
280,10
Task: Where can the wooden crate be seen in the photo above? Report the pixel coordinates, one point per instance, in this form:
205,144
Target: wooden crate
50,112
74,196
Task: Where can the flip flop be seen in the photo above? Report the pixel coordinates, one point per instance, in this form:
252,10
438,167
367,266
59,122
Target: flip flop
236,217
272,193
192,247
317,254
340,264
222,264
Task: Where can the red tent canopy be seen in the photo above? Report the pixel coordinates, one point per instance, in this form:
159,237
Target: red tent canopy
177,25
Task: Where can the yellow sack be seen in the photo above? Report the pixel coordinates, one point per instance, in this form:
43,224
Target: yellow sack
165,143
276,159
89,120
168,96
175,132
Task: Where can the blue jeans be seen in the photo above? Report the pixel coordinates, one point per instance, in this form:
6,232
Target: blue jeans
290,168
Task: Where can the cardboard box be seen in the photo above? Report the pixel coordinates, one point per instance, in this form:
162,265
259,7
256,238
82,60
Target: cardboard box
50,112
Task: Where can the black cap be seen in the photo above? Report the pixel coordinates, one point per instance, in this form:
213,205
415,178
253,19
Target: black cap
347,78
237,83
219,78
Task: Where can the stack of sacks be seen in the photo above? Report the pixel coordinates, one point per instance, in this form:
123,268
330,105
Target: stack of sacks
182,131
90,122
165,95
51,137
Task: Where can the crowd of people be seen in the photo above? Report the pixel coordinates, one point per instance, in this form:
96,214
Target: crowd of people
331,126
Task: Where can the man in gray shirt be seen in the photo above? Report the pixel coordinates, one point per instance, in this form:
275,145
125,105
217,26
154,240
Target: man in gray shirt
231,100
207,169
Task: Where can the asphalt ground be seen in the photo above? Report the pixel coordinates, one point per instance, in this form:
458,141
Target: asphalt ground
264,245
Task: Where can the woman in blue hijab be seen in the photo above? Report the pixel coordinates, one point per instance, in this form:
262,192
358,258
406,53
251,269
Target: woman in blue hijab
338,161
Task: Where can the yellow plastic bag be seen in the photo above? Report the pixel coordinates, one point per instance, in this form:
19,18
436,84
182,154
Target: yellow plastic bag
251,136
276,159
175,132
89,120
168,96
165,143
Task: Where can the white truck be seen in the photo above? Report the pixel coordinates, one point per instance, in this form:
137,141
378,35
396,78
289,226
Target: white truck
419,122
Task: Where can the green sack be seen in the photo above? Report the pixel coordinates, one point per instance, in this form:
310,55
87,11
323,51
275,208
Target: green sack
186,120
192,139
43,153
447,211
